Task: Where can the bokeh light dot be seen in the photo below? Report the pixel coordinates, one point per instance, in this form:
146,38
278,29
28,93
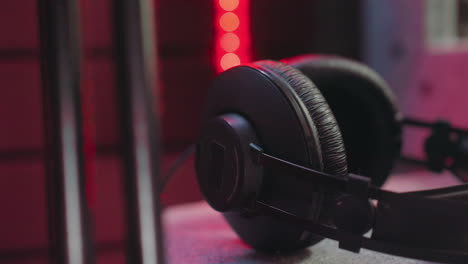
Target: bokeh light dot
229,60
229,5
229,21
230,42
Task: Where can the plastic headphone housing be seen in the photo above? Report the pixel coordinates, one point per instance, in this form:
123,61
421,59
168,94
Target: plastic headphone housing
227,174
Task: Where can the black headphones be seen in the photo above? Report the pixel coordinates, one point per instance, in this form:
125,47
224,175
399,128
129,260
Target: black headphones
282,149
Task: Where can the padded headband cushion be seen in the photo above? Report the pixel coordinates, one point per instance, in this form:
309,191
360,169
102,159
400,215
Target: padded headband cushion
365,109
331,143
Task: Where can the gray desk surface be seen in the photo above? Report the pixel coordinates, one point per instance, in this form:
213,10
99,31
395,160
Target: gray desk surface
197,234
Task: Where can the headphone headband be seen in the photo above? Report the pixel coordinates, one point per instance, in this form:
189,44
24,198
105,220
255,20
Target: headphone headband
403,223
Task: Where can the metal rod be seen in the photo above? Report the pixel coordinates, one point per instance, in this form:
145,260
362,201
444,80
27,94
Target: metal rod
61,59
135,65
426,124
414,122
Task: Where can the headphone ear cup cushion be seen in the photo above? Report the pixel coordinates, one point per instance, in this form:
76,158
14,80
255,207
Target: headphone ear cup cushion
331,143
365,109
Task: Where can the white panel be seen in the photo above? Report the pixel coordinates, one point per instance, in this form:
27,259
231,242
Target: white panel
441,22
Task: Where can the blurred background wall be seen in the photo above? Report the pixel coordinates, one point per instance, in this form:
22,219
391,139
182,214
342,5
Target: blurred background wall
406,41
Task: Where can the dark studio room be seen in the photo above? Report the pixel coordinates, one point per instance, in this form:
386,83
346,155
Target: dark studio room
233,131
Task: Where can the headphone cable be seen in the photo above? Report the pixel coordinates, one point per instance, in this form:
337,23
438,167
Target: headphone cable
169,174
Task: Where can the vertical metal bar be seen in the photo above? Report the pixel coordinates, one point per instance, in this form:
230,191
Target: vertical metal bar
61,57
135,65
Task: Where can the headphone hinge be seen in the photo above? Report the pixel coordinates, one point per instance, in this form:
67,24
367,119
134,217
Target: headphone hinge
354,213
358,186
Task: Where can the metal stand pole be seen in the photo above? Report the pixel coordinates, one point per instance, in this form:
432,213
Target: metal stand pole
60,55
135,64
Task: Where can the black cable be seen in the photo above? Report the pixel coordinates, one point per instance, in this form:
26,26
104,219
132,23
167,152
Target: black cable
167,176
429,124
412,161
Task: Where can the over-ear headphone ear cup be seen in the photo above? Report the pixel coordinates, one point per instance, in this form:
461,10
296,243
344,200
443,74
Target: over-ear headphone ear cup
365,109
265,234
331,143
292,120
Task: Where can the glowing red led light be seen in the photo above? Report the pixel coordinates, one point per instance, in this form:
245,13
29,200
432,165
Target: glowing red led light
229,60
229,21
232,37
229,5
230,42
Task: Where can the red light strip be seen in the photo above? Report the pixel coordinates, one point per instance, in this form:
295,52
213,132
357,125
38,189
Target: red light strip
232,33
